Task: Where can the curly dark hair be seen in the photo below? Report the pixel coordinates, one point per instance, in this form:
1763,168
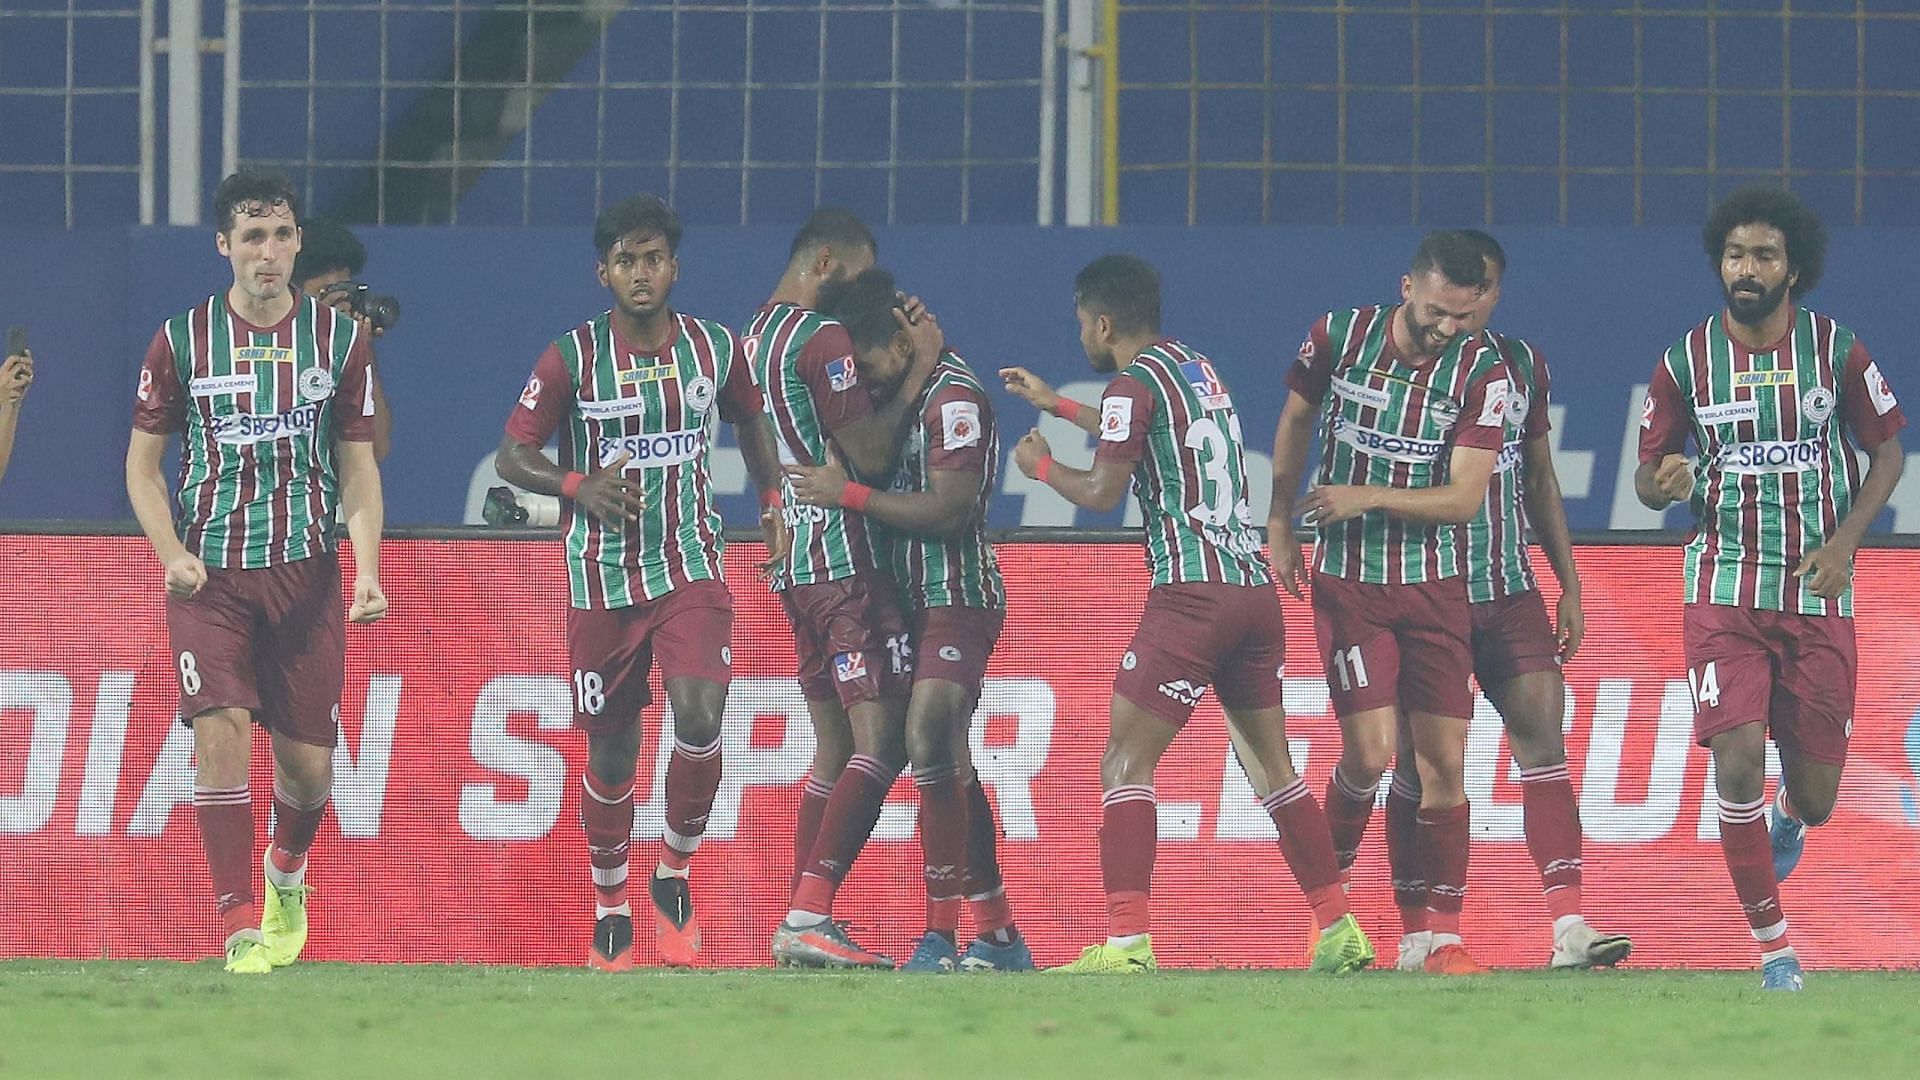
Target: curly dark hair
1459,258
326,246
1806,237
1124,288
253,191
865,307
647,215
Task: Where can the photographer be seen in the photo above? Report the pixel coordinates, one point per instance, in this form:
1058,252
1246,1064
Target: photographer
328,267
16,374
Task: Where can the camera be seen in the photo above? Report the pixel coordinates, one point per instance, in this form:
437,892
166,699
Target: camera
506,507
381,311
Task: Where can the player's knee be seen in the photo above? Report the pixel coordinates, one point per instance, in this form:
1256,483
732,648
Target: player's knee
611,759
1537,747
929,742
1365,760
697,727
1125,761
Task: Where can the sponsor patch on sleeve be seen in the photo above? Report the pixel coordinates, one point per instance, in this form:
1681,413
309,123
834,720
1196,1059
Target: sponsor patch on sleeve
960,421
1878,391
1493,412
842,375
1116,418
530,397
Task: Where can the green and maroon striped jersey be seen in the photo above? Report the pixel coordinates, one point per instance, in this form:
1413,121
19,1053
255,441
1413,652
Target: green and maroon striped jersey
259,409
956,433
1168,414
1777,472
1495,546
1390,423
804,363
607,398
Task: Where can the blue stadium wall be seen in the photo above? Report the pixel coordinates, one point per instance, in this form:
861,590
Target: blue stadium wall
480,304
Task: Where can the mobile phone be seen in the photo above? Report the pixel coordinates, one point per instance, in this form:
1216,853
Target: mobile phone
16,340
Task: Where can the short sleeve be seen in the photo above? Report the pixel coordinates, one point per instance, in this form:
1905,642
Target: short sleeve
1483,415
826,365
353,398
1538,423
1873,413
1126,411
1312,370
544,402
959,424
740,396
160,402
1664,419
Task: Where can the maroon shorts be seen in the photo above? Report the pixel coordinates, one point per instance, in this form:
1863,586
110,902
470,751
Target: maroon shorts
1395,644
1200,634
688,632
1795,673
1512,637
953,644
851,640
271,641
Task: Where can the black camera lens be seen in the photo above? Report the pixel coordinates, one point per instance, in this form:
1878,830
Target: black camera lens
381,311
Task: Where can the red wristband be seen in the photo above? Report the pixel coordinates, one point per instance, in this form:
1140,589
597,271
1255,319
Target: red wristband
570,487
1041,470
1068,409
770,499
854,497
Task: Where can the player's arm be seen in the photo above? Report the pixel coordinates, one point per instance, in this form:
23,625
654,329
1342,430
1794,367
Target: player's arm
605,493
382,418
1469,468
1307,382
1035,391
159,410
364,508
16,375
1547,513
1874,418
1098,488
945,511
1664,475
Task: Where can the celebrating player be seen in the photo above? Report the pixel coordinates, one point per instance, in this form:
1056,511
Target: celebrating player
928,527
1412,408
634,392
1168,426
1775,396
856,660
269,391
1517,654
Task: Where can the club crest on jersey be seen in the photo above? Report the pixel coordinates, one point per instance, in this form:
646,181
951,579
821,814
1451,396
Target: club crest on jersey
316,384
1446,411
842,375
1817,404
1116,416
848,666
1206,384
700,393
960,421
1518,406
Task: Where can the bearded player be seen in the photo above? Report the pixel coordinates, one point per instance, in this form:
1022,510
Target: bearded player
1167,426
1775,397
928,526
635,393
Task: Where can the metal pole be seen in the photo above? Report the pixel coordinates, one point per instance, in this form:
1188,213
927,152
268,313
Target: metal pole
1082,144
146,111
183,112
230,91
1049,115
1110,112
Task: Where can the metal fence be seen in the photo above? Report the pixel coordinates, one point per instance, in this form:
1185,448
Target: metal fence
1513,111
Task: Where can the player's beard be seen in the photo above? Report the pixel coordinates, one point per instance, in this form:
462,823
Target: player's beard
1422,333
1750,310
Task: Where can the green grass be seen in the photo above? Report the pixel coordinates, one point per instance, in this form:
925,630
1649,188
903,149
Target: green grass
335,1020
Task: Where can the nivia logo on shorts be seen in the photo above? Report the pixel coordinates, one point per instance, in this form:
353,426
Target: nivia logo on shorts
654,451
1757,458
1386,444
1183,691
240,429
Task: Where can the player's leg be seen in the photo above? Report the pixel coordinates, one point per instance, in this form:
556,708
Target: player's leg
1435,633
832,731
301,662
608,652
1732,679
873,672
938,708
1812,721
1362,662
692,635
1405,865
997,944
210,637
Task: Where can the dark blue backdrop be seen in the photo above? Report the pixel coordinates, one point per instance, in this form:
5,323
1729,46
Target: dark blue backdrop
480,304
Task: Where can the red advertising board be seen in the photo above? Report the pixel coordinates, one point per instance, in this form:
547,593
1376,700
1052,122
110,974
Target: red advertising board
454,834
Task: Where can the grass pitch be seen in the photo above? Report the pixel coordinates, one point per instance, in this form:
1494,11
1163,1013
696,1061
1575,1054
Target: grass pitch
117,1019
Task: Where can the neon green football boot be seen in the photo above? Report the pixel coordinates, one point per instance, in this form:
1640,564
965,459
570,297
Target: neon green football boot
247,954
283,922
1342,947
1106,959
